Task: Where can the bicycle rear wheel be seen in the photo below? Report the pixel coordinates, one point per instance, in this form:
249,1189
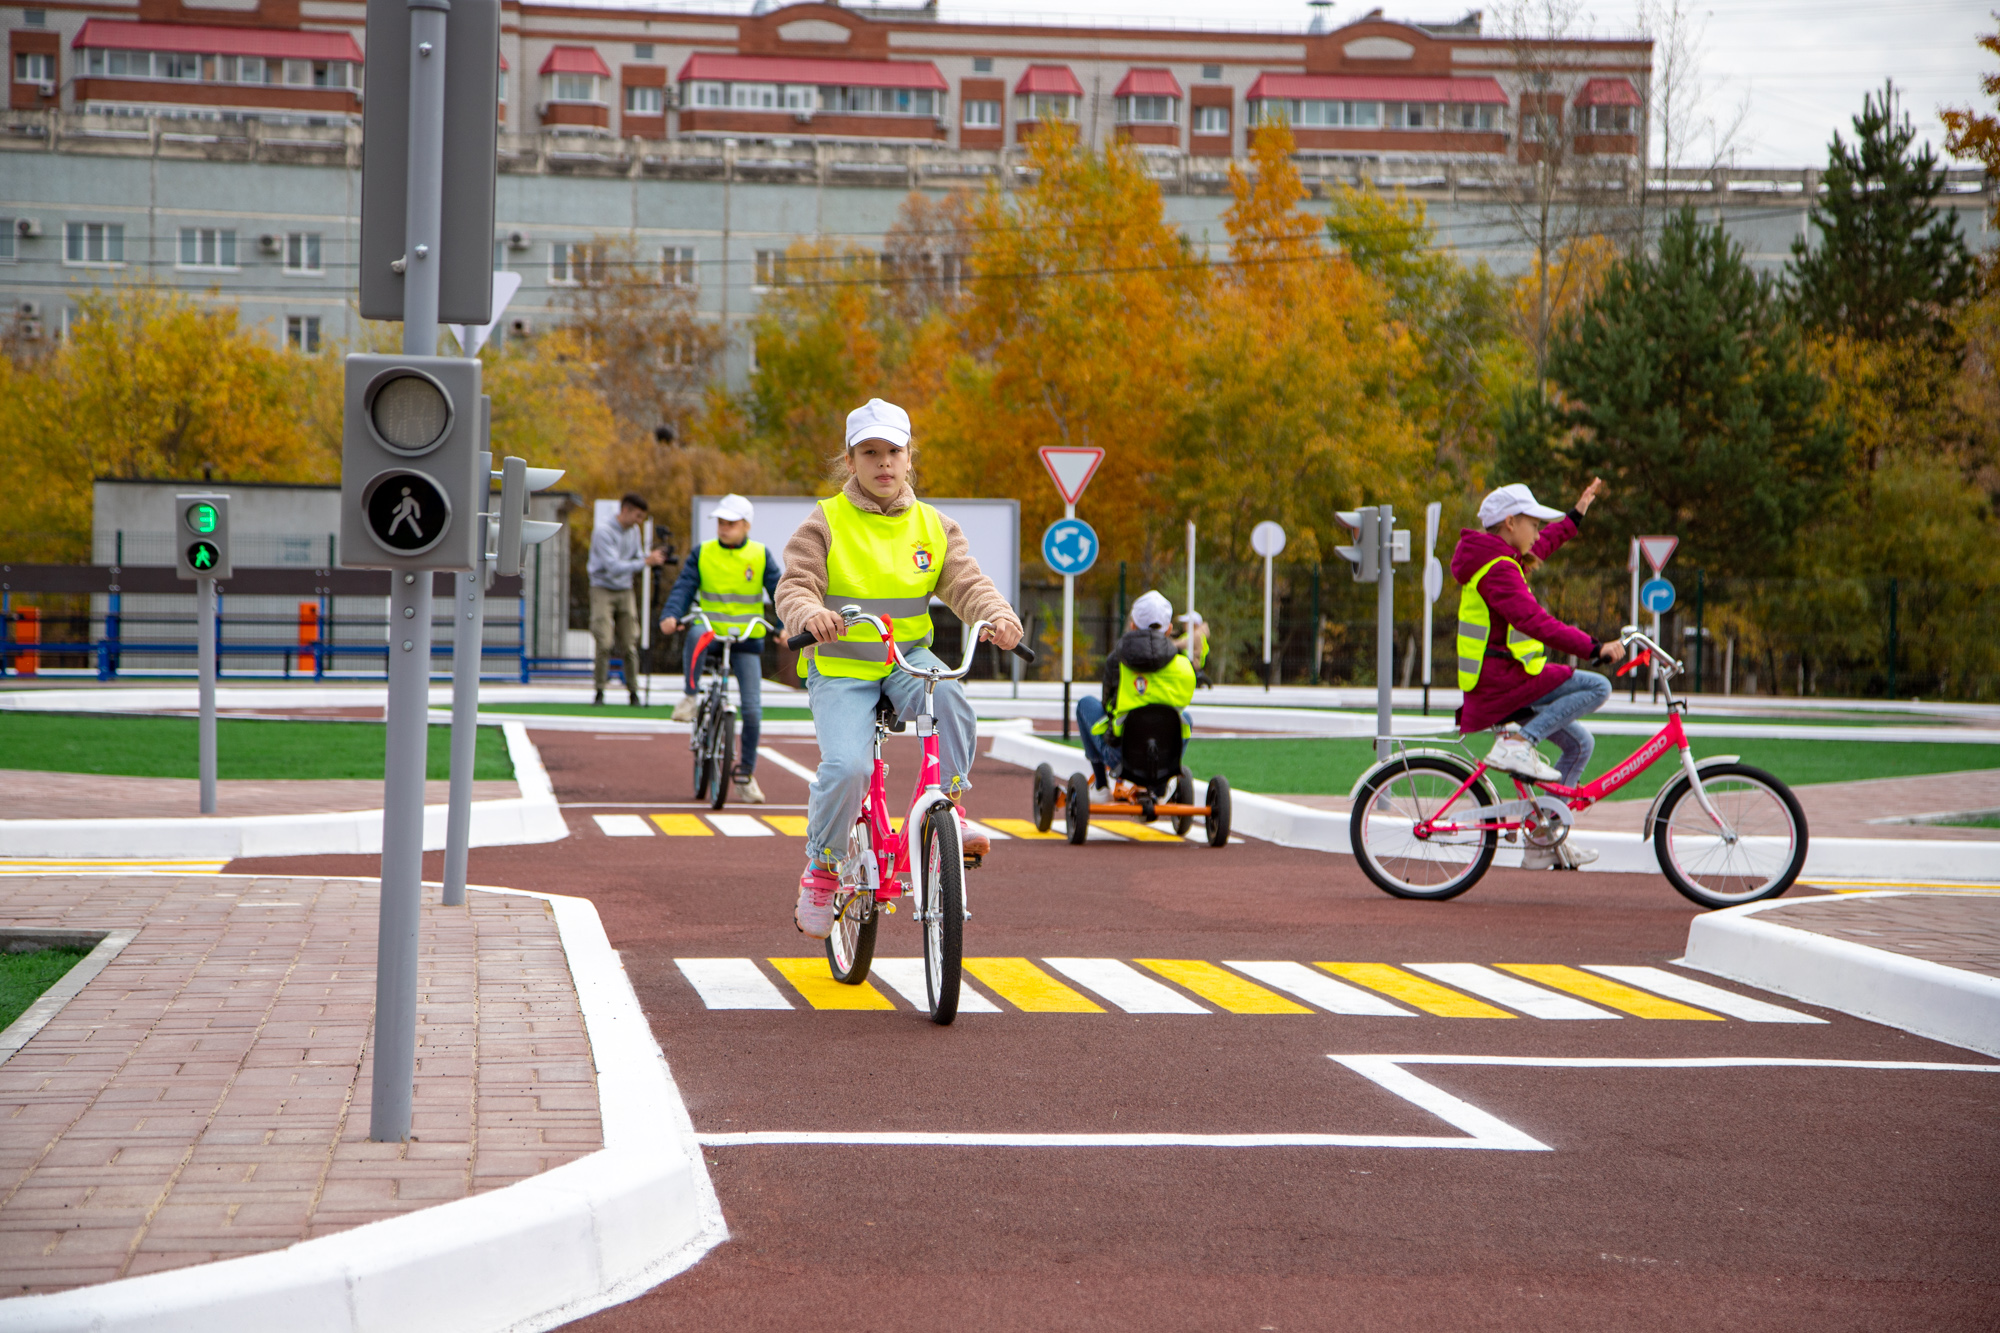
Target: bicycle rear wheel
942,911
850,949
722,763
1761,855
1392,801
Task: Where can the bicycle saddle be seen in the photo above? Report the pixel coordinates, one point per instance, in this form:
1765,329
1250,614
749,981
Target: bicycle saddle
885,716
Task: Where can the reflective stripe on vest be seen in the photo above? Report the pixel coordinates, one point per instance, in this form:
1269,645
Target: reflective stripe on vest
889,567
1475,627
1172,685
732,584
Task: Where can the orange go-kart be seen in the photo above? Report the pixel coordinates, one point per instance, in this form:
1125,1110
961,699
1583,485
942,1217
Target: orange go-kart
1149,769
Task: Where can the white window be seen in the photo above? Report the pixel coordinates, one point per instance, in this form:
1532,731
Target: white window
982,64
642,51
94,243
1211,72
645,101
207,247
1211,120
298,72
707,94
677,265
1148,110
302,252
574,88
1046,106
1605,119
982,115
34,67
1472,117
302,333
772,271
800,97
753,96
329,74
570,264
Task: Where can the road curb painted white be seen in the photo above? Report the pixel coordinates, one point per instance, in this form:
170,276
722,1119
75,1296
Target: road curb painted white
520,1259
529,818
1290,825
1929,999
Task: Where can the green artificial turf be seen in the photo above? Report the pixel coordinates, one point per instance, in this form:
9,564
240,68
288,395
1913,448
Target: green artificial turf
24,976
164,747
621,709
1973,821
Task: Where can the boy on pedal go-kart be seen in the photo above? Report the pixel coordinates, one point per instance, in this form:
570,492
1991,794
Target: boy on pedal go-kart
728,578
1146,667
876,546
1504,637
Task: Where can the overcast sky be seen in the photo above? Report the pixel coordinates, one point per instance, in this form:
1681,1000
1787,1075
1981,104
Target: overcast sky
1803,65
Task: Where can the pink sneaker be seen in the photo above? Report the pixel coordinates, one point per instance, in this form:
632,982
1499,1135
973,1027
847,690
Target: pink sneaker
972,841
814,913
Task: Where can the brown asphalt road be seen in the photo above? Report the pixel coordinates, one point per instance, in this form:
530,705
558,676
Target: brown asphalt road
1765,1198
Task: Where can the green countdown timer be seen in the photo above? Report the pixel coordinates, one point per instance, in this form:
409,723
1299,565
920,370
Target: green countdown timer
201,517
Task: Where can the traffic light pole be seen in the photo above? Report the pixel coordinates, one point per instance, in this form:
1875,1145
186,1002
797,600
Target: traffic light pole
1385,629
468,633
204,596
409,620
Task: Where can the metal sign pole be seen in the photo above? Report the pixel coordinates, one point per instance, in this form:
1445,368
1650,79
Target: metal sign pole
646,613
1267,624
1190,599
204,596
468,639
1385,629
1069,621
1433,584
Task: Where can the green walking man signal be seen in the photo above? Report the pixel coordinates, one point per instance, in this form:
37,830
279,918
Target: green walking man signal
202,523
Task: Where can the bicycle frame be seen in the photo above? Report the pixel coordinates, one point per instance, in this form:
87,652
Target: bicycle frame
709,638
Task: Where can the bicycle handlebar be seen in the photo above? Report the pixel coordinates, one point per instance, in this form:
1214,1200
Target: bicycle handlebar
737,632
1631,634
854,616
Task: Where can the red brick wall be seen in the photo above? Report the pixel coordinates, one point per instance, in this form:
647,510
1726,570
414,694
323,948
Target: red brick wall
26,96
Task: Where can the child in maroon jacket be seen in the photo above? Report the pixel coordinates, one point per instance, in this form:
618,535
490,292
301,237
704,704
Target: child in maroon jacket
1505,636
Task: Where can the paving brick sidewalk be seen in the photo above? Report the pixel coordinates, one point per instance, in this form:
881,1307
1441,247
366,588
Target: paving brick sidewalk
35,795
1959,930
206,1095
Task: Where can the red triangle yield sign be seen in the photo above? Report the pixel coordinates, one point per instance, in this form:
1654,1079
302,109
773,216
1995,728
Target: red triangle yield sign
1071,469
1658,550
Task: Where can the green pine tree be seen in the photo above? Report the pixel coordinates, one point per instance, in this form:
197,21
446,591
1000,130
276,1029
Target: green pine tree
1684,384
1887,266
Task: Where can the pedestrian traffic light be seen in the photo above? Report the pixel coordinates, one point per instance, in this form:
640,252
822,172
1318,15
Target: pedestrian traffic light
201,536
1365,554
411,485
516,529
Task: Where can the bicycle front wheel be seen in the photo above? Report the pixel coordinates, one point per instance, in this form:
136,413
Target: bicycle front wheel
1759,854
698,747
722,763
1398,797
850,949
942,911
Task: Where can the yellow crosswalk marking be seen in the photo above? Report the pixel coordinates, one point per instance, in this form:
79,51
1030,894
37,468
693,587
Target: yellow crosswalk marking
683,826
792,826
809,976
1141,832
1223,988
1604,991
1021,828
1414,990
1027,987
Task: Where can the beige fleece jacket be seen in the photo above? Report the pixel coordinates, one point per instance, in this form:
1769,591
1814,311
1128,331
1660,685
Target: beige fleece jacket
962,585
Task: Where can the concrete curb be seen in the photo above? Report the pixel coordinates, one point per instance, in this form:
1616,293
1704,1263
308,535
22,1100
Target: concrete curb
531,817
520,1259
1929,999
1289,825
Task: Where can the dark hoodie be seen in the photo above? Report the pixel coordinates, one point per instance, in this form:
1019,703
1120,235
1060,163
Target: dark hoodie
1503,685
1144,650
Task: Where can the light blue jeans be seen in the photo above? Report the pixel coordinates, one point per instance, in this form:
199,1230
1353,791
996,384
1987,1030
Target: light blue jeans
1555,719
843,710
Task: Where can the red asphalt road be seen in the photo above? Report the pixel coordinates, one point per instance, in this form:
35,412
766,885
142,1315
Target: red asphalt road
1735,1198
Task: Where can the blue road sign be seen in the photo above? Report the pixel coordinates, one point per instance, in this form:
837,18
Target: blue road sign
1657,596
1069,546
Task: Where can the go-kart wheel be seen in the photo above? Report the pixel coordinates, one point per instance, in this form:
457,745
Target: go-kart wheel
1183,795
1218,811
1076,807
1045,798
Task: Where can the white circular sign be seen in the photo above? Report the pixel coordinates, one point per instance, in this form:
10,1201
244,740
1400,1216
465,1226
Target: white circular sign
1267,539
1433,579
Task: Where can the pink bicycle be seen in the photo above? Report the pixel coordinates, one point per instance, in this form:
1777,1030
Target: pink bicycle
878,864
1426,823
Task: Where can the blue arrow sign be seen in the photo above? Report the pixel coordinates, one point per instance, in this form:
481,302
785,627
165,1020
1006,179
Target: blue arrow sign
1069,547
1657,596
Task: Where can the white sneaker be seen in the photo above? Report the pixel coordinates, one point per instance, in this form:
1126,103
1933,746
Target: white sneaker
1569,856
1538,858
747,790
1100,796
1517,755
684,710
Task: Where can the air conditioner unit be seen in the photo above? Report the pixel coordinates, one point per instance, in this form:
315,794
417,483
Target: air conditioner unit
520,326
517,240
803,117
29,330
270,244
29,310
27,227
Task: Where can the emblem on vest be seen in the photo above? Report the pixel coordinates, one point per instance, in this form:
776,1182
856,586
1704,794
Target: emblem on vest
1138,684
748,573
922,559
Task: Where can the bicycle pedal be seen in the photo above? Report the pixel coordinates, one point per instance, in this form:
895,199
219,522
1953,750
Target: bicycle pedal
974,862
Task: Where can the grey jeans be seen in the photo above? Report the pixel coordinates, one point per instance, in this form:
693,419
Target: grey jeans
843,710
1555,719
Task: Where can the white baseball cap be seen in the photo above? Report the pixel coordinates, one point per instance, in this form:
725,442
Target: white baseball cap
734,507
1511,500
1152,611
877,420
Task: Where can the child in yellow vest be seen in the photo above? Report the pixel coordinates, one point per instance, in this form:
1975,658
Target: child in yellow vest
877,546
728,578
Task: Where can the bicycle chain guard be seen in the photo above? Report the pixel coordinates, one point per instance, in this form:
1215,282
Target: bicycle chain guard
1546,824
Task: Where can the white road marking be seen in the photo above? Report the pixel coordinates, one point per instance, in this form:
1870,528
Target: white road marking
988,830
623,826
1124,986
1316,987
1689,991
905,976
731,983
742,826
1511,991
786,762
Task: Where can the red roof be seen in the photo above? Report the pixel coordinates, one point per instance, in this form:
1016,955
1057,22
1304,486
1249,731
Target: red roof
834,73
1049,79
271,43
1608,92
576,60
1351,88
1149,83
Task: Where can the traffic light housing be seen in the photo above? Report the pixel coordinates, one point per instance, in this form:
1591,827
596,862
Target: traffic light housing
201,536
1366,552
515,528
411,482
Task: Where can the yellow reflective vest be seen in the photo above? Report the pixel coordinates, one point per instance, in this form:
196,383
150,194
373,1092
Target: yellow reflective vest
732,584
1172,685
1475,627
889,566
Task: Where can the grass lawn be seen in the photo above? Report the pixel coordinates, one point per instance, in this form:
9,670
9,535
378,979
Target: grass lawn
1329,767
24,976
612,711
1974,821
164,747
